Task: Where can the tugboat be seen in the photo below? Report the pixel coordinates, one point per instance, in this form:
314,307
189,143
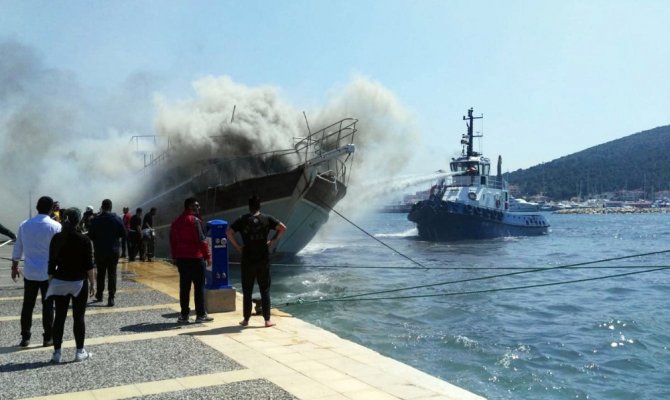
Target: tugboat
470,203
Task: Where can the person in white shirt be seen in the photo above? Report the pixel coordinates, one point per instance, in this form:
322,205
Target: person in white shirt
32,242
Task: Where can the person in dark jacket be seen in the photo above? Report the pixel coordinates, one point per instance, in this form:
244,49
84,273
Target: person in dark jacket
106,230
254,228
190,251
135,236
71,276
7,232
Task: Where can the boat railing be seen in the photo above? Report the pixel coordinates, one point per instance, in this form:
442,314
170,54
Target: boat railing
226,170
331,137
490,181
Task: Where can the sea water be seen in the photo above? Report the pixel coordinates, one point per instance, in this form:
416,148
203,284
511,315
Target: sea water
597,339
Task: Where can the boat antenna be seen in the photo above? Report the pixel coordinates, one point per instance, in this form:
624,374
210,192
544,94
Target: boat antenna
307,123
233,116
470,118
499,166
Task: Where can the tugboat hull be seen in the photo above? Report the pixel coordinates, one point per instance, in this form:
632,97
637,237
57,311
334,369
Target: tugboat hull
447,221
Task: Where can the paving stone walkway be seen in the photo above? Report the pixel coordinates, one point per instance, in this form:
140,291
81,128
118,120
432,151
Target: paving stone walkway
139,352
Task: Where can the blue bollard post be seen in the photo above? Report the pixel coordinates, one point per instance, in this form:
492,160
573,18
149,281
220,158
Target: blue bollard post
217,278
219,295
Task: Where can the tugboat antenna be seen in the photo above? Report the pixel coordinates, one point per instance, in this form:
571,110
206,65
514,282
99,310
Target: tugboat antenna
470,118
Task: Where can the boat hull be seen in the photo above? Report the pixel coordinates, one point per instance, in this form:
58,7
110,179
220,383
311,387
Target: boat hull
300,198
448,221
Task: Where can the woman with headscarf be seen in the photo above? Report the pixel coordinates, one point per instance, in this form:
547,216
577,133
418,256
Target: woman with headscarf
71,276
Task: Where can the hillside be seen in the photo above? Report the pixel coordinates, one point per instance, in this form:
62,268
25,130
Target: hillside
639,161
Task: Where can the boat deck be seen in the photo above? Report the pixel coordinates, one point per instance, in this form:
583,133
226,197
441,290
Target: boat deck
138,351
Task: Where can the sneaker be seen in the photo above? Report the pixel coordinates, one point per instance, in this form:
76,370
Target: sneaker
47,343
55,358
203,318
24,343
82,355
183,320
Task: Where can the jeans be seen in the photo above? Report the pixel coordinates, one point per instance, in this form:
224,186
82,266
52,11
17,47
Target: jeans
106,265
30,289
191,271
78,310
256,271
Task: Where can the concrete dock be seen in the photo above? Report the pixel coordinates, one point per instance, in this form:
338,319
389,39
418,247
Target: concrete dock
139,352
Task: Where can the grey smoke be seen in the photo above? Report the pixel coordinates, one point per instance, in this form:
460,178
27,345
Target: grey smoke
71,142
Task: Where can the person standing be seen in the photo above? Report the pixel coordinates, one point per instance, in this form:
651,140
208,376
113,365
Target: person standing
32,242
105,232
126,223
190,251
254,228
72,276
135,235
148,235
86,218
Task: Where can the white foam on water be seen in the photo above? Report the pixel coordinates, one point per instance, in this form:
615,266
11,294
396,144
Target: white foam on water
408,233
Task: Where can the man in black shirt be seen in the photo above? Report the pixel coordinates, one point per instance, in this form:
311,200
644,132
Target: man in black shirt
254,228
106,231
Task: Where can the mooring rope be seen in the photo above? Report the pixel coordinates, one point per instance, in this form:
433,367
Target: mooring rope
544,269
348,299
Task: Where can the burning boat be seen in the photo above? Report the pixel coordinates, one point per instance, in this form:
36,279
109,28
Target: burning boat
298,186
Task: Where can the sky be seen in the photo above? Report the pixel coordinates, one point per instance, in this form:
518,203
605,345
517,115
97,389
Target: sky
550,77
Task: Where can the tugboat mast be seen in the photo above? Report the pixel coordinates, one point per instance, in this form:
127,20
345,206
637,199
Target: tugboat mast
470,118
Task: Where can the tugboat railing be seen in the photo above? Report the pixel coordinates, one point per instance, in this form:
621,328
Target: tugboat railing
477,180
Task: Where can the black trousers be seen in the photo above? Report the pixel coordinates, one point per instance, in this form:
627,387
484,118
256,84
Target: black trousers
256,272
124,246
30,289
106,265
148,246
78,310
191,272
134,245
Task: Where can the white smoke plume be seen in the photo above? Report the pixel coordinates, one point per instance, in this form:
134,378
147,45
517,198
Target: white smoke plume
255,120
387,136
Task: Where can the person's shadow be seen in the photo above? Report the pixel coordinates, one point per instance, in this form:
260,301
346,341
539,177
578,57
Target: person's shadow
27,366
